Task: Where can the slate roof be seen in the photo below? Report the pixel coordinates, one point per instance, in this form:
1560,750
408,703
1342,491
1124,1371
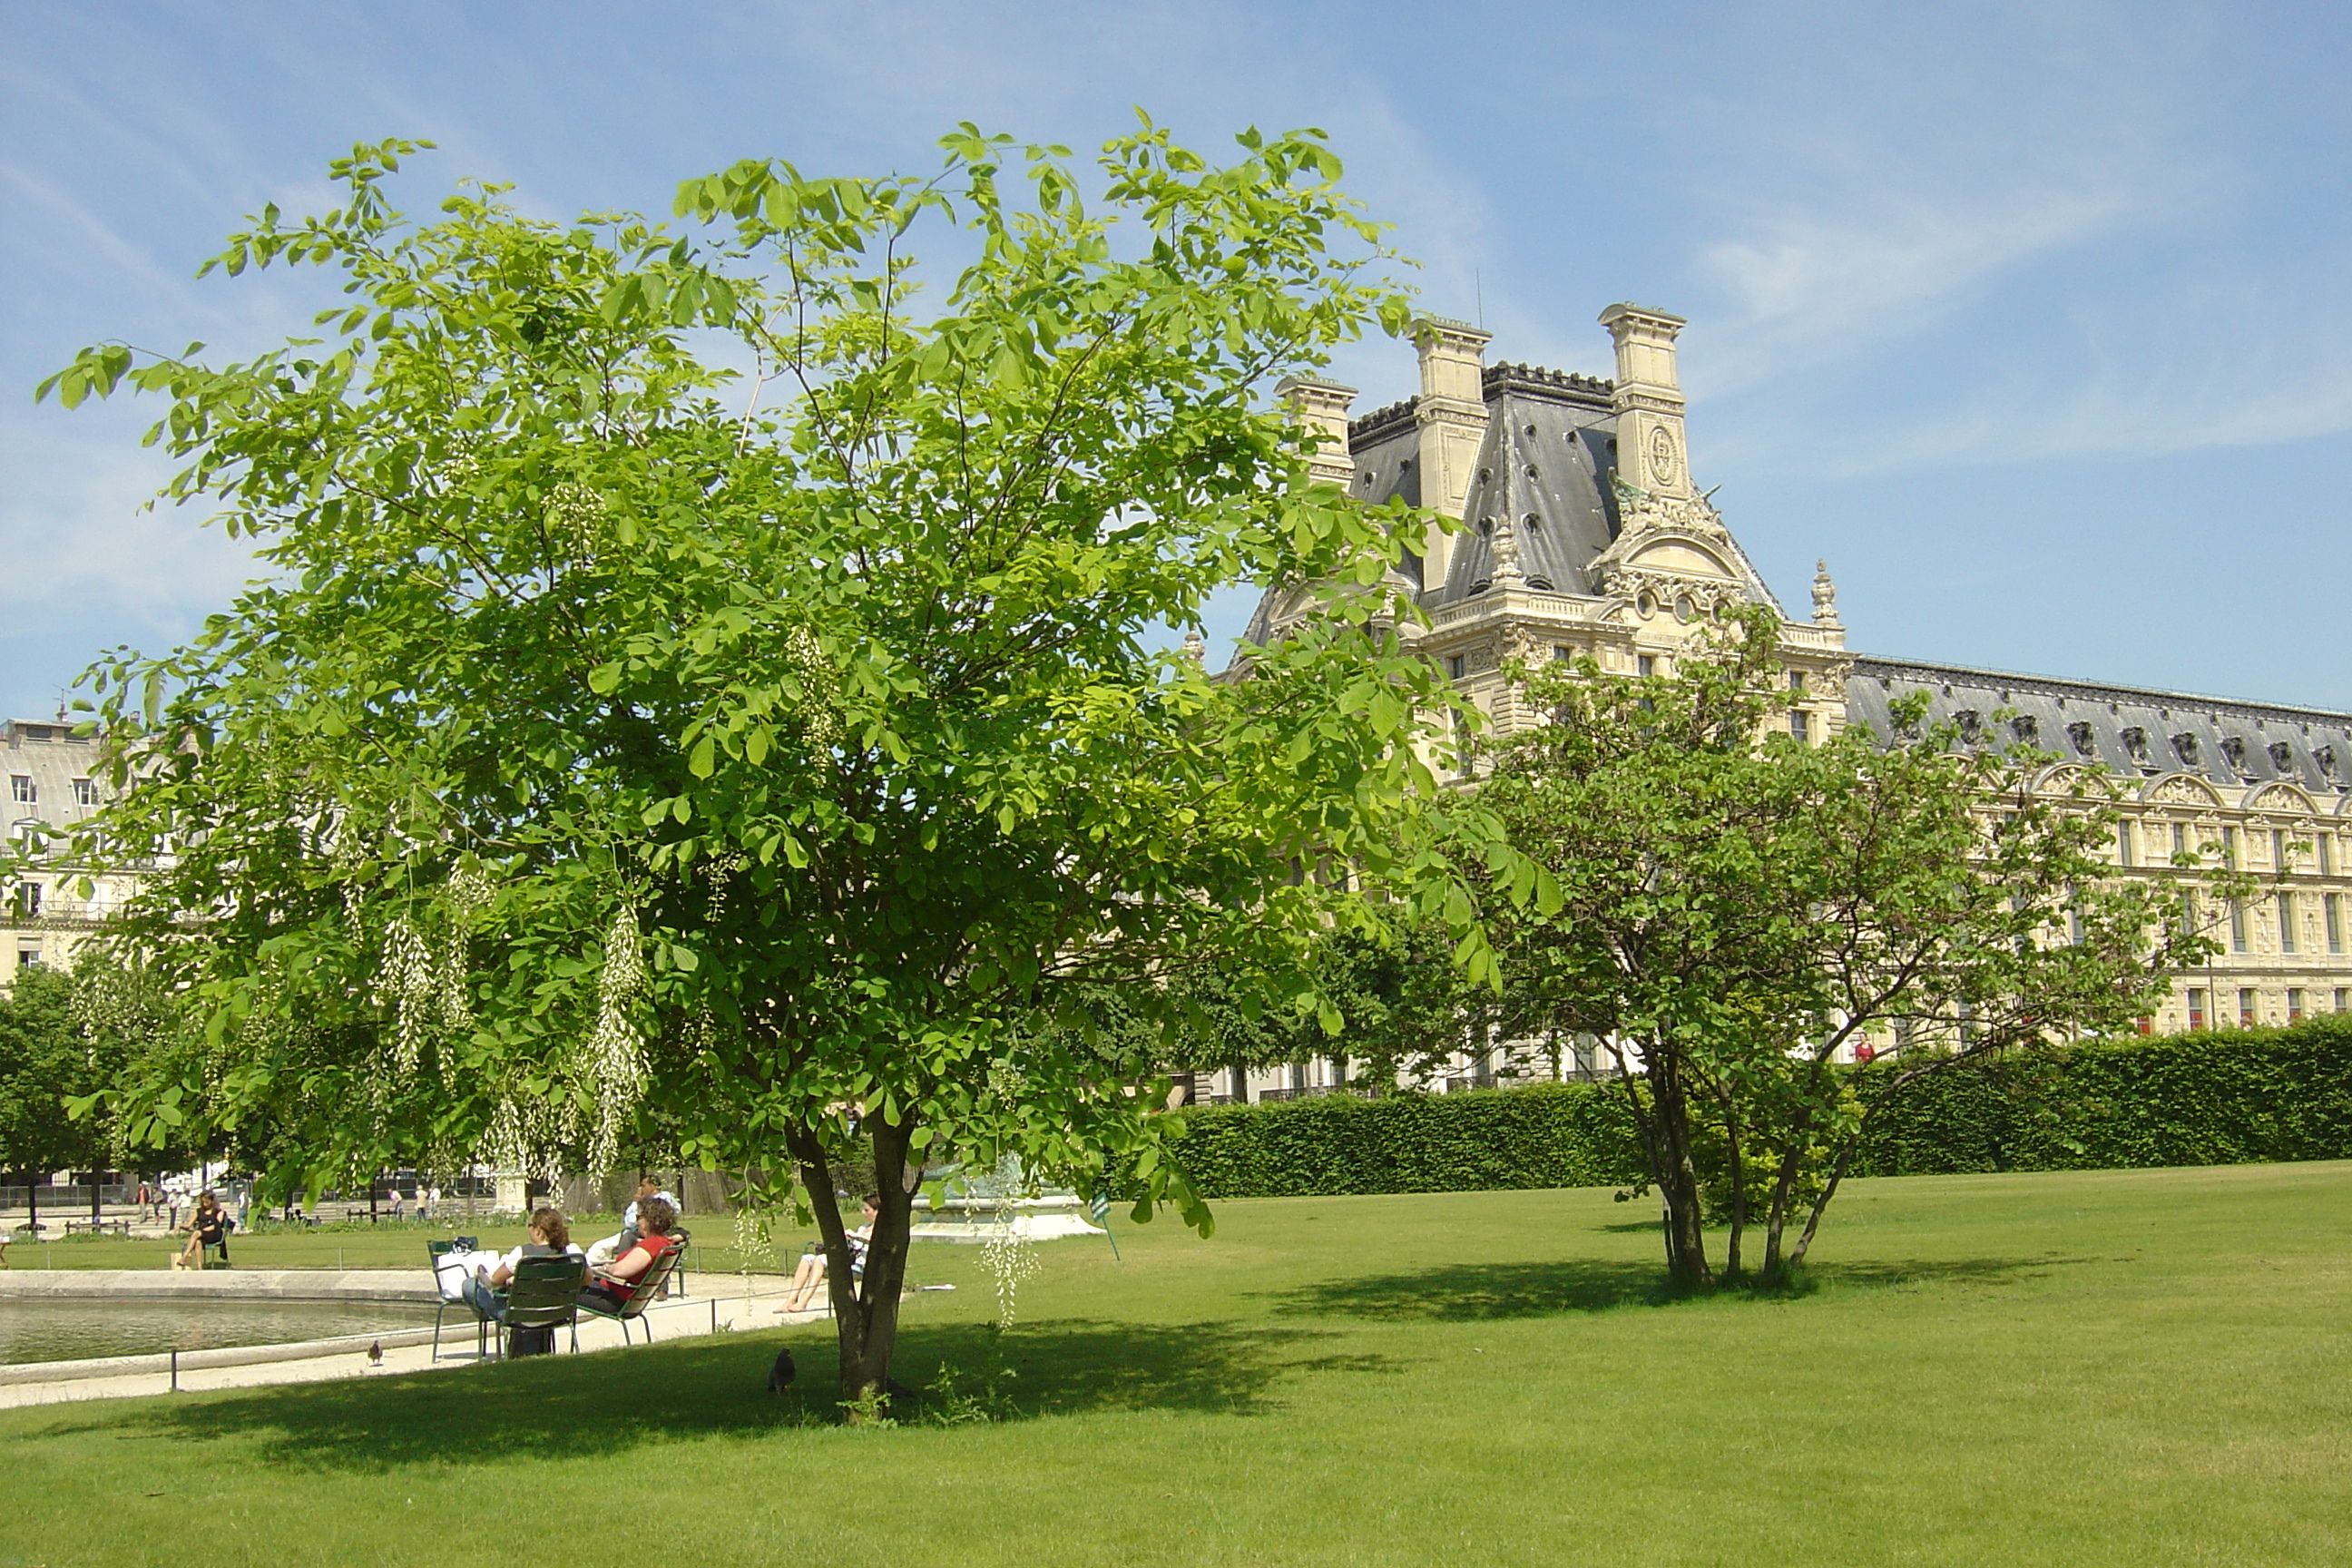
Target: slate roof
1545,464
2228,742
1550,442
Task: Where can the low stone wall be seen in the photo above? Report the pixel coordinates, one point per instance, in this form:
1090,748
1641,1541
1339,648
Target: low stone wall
233,1355
217,1284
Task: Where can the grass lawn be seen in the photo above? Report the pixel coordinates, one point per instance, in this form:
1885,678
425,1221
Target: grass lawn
2091,1368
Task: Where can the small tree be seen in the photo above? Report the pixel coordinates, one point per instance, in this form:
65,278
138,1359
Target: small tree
1738,907
687,674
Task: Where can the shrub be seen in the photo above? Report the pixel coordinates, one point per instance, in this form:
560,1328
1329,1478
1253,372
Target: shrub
2214,1098
1550,1135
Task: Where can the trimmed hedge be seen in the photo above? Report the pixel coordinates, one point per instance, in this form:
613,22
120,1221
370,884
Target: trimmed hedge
2216,1098
2222,1097
1547,1135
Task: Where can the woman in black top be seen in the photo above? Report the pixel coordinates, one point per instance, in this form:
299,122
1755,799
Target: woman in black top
207,1227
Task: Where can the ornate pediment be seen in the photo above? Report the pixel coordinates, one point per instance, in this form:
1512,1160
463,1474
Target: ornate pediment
2281,798
2064,778
2180,789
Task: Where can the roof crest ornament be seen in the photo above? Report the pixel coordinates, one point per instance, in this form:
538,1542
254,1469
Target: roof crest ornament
1825,597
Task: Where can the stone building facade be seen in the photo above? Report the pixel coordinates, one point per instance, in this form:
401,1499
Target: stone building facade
1585,532
54,780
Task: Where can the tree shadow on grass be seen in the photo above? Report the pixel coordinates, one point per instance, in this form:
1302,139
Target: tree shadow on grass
566,1406
1480,1293
1476,1292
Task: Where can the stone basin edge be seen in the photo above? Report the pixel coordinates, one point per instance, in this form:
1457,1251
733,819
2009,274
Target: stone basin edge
412,1285
192,1361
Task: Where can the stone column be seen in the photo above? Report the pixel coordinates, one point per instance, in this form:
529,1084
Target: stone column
1452,414
1649,401
1322,407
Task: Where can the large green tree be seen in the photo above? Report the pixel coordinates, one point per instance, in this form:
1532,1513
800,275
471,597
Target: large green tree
65,1038
689,674
41,1062
1741,909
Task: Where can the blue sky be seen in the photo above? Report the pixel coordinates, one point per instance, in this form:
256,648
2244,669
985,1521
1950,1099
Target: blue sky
2035,320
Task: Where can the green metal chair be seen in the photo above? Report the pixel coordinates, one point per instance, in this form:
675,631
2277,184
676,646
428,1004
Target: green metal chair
648,1286
544,1293
435,1251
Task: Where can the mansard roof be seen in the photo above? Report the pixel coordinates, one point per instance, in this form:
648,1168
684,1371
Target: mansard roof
1544,464
1549,446
2131,731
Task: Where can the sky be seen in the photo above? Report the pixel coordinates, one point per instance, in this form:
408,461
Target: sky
2035,321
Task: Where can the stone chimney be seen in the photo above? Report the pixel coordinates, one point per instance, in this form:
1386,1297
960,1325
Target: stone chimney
1452,414
1649,401
1322,407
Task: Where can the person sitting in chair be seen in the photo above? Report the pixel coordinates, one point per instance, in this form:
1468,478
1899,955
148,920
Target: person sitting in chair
811,1271
207,1230
613,1246
613,1285
486,1291
549,1237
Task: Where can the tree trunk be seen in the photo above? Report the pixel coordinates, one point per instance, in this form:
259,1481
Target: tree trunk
1784,1187
1829,1190
1739,1191
1677,1175
864,1311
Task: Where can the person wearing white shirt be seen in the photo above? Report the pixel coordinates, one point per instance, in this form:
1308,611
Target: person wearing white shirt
613,1246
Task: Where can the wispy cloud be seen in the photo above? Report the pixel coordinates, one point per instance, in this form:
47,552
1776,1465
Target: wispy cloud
1815,288
2015,232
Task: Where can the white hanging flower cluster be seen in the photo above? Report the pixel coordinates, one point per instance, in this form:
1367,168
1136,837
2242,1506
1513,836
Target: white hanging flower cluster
1009,1256
817,678
754,1234
613,1060
463,462
426,990
526,1135
410,983
470,891
575,515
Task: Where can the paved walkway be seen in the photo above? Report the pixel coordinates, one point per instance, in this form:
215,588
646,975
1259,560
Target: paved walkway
724,1304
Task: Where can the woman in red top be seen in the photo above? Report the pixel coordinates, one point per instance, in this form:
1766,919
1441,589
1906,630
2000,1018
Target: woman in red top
615,1283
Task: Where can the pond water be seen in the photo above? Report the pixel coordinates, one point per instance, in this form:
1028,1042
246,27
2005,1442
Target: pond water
71,1331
